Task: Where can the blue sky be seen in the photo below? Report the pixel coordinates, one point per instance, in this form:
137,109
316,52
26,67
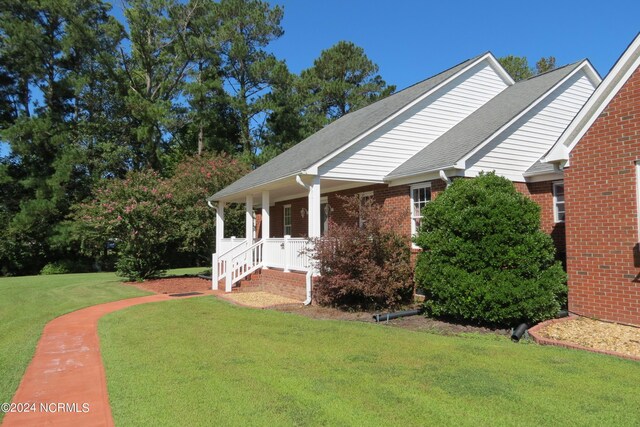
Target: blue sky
411,40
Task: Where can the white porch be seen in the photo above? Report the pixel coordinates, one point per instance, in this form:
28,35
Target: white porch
236,258
241,258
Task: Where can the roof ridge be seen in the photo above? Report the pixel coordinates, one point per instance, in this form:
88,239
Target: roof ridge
441,72
554,70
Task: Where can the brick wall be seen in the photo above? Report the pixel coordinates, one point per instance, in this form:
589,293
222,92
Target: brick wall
542,194
290,285
600,192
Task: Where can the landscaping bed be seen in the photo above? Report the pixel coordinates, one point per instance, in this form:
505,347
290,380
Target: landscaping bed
171,285
595,334
415,323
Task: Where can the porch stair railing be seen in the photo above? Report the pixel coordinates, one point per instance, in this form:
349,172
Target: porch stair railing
237,263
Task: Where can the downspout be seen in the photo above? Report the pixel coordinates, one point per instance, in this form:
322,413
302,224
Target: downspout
309,285
444,177
309,276
211,205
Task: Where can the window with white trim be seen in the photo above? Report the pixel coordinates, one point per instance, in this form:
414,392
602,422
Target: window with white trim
420,196
325,210
287,220
558,201
364,198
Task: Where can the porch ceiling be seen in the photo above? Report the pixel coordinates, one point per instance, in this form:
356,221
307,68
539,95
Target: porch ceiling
288,188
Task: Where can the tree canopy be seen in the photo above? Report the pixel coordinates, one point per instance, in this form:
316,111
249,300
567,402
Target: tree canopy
85,98
519,69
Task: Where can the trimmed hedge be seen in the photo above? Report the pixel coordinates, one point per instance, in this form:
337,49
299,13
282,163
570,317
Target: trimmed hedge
485,258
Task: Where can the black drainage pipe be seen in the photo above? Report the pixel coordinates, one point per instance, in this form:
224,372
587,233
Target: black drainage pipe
519,332
388,316
562,313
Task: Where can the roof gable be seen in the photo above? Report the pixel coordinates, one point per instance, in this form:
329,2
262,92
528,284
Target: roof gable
338,135
628,62
372,157
462,141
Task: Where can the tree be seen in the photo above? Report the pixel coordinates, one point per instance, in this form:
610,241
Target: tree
519,69
156,70
545,64
484,256
343,79
246,28
53,53
211,122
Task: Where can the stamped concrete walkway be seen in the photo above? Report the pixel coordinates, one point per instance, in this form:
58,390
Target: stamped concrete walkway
65,383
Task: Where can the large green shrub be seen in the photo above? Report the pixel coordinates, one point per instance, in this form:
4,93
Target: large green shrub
364,264
485,258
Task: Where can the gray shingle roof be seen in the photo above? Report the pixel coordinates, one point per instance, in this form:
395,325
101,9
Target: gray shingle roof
539,168
445,151
335,135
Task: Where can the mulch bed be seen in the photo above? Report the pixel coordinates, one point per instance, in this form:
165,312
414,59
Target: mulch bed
415,323
174,285
590,334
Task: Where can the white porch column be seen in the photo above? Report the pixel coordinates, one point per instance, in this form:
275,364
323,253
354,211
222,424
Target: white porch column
314,208
248,227
266,232
215,273
219,225
266,229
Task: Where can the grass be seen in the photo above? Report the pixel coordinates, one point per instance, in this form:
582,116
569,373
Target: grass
28,303
205,362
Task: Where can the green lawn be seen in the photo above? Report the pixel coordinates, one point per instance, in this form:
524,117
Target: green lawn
28,303
205,362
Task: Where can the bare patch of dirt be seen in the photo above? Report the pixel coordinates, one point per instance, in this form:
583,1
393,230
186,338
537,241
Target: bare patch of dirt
173,285
414,323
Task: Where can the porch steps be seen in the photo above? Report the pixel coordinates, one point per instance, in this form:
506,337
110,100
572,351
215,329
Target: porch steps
251,283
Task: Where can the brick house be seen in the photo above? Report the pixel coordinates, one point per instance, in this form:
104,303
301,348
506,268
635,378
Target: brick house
402,151
600,155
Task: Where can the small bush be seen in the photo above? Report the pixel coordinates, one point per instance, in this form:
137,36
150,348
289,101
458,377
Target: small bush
55,268
64,267
485,258
364,267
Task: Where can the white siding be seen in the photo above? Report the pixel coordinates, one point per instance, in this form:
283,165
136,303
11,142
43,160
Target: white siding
378,154
511,153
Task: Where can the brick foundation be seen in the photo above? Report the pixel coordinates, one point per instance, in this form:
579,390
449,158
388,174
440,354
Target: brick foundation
291,285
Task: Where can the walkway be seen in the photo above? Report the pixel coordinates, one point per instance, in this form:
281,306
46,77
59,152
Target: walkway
65,383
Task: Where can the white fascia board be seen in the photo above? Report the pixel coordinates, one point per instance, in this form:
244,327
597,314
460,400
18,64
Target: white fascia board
422,176
584,66
549,176
498,68
599,100
487,57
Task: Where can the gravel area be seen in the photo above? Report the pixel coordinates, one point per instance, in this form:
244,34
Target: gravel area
260,299
595,334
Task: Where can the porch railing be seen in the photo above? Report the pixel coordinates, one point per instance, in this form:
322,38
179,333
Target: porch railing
289,254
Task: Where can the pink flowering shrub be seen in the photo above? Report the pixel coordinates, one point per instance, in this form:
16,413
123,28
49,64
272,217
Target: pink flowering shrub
149,218
138,215
195,179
